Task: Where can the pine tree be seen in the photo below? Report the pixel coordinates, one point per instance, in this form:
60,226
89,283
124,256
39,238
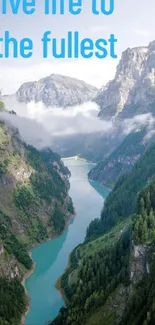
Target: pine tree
144,232
148,202
142,207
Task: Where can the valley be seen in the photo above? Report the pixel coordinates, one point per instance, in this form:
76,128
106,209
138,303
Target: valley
116,260
34,207
51,258
92,248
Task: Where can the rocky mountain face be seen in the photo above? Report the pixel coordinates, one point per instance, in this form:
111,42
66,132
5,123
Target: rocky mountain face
132,91
56,91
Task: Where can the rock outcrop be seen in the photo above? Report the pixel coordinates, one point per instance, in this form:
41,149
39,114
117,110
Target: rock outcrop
132,91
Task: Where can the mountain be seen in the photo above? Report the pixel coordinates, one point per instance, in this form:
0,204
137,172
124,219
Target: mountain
123,158
34,206
121,202
132,91
111,276
56,91
131,94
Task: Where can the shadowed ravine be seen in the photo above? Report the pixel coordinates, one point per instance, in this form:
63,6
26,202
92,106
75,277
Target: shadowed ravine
51,258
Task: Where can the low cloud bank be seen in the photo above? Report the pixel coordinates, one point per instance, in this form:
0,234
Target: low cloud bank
39,125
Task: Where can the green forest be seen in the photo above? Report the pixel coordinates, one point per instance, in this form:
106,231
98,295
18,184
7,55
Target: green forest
12,301
93,278
121,202
98,276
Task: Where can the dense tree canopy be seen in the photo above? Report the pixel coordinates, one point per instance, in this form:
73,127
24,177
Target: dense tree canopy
121,202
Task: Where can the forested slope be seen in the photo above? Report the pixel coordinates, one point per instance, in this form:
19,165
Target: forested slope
123,158
34,206
121,201
111,279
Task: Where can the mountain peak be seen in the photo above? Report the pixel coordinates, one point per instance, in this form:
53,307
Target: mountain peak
133,84
152,45
56,91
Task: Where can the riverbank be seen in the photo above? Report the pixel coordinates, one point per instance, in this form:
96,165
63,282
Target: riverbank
26,276
105,185
58,282
29,273
60,289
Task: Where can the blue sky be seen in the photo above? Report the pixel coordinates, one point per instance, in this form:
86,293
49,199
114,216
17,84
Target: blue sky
133,23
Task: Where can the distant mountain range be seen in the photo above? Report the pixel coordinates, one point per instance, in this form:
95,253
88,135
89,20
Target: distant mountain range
130,93
56,91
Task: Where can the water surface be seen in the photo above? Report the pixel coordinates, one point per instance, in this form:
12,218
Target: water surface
51,258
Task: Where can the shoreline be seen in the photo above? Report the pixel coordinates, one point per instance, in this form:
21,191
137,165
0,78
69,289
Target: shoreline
60,289
30,272
108,187
58,282
78,158
26,276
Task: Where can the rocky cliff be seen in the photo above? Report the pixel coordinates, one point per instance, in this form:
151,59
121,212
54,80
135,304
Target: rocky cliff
130,94
133,89
56,91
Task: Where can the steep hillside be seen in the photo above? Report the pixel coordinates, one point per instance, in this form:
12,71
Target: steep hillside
55,91
33,187
110,280
34,206
121,201
123,158
97,268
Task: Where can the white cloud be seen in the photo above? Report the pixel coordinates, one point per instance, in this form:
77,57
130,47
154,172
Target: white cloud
39,126
30,131
149,135
137,122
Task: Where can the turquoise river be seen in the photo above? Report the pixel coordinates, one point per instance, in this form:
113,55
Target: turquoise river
51,258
